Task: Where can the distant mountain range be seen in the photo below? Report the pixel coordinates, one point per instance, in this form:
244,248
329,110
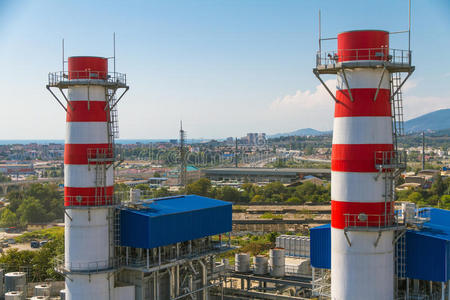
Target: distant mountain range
434,121
302,132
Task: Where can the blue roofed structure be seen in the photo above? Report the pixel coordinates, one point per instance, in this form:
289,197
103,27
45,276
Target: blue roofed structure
320,246
165,221
427,255
428,249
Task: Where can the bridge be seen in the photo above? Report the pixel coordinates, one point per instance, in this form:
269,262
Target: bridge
22,183
285,175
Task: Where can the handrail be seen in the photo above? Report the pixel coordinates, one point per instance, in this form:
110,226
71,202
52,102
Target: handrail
396,56
362,220
100,200
55,78
62,266
390,160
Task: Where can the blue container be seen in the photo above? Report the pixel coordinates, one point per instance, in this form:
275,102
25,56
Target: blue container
320,249
171,220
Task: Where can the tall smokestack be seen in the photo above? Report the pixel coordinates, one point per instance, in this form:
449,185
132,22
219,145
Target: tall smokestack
364,162
88,175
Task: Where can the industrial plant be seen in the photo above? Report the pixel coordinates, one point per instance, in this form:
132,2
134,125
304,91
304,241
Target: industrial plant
130,246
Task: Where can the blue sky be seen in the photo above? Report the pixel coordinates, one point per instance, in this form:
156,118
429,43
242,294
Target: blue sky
224,67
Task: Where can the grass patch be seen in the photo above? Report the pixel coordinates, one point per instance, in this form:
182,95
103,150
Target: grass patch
239,208
43,234
268,215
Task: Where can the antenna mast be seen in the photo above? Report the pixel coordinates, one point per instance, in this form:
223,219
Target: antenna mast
182,156
114,51
63,56
320,34
409,27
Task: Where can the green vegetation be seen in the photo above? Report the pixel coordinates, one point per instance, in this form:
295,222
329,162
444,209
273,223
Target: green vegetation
38,203
253,244
43,234
41,262
274,192
4,178
239,208
438,195
268,215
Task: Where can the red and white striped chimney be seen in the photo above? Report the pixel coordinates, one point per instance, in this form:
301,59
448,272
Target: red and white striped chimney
88,181
362,262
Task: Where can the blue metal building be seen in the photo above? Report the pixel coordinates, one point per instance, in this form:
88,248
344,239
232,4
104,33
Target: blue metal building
171,220
427,254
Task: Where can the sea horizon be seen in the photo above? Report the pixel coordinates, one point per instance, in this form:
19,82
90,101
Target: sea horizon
118,141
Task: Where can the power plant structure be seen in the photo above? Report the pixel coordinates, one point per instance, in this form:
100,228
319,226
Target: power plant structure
91,102
365,161
374,250
128,246
133,249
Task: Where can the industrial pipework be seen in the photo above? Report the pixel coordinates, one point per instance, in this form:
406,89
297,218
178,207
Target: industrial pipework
365,161
88,174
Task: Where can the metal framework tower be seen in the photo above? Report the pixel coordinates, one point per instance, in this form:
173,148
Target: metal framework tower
182,156
91,125
365,161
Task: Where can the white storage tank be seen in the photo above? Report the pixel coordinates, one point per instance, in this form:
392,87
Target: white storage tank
135,195
42,290
307,247
62,294
261,265
14,295
15,281
301,246
409,212
276,262
242,262
225,262
2,275
40,298
292,241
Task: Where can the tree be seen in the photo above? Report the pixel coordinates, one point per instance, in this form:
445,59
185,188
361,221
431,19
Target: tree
274,188
433,200
445,200
8,218
309,150
415,197
162,192
257,199
201,187
31,211
230,194
295,200
4,178
48,201
438,186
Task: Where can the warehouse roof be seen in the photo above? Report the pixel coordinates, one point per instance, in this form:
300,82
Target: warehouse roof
178,204
164,221
438,226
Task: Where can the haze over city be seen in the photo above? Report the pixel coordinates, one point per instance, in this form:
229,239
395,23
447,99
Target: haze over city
224,67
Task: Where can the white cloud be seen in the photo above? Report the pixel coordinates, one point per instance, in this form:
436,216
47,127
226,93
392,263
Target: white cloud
415,106
310,108
314,108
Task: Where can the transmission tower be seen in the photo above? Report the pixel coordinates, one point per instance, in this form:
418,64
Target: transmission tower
182,156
